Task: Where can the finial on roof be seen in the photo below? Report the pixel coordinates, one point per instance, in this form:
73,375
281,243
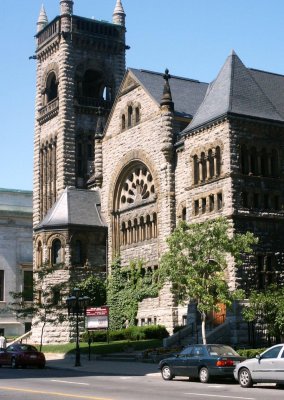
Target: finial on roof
42,19
119,15
167,95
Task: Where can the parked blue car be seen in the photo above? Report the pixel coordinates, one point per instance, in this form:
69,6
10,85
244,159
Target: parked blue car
201,361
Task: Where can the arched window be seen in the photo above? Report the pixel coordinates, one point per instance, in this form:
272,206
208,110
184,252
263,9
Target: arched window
218,161
130,112
195,169
211,163
39,255
56,252
51,87
123,125
137,115
204,169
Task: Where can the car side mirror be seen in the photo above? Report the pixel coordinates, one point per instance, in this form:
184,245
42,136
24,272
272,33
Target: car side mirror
258,357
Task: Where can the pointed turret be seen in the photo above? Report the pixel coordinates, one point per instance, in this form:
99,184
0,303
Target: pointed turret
119,15
42,19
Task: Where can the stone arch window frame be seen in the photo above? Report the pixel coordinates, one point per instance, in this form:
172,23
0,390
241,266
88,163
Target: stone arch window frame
182,211
52,238
132,183
108,81
206,162
52,68
123,167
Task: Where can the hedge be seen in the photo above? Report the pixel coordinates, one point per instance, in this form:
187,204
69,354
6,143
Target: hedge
133,333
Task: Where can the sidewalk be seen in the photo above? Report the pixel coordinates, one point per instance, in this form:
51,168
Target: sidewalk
101,367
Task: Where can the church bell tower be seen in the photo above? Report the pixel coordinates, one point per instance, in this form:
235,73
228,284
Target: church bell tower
80,65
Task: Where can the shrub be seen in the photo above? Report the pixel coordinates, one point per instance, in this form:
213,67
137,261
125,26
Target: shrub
250,353
133,333
155,332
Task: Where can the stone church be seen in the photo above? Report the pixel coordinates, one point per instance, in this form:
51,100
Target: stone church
121,155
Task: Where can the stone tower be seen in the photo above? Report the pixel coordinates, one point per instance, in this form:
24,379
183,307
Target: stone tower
80,65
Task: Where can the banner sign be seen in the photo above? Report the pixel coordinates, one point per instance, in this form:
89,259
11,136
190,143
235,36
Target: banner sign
97,317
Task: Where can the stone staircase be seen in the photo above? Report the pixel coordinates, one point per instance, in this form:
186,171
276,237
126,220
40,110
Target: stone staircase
192,334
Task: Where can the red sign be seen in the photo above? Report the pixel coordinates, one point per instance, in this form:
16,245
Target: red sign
97,311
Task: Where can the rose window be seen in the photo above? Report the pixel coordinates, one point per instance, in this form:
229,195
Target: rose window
137,187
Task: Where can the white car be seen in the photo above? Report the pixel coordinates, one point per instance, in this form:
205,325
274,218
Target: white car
268,367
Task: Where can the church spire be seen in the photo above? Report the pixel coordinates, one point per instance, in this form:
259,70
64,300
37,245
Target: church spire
119,15
42,19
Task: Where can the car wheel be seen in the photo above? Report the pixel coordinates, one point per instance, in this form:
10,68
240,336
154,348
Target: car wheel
14,363
245,378
204,376
167,374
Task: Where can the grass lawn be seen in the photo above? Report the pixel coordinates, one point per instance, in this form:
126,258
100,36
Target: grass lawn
103,347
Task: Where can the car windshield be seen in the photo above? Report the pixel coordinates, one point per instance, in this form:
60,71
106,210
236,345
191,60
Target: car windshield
215,350
27,347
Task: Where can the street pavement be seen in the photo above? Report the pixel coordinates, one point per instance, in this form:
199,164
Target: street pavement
112,366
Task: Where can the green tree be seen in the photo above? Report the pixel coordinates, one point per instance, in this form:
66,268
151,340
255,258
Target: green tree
47,305
268,308
94,287
196,263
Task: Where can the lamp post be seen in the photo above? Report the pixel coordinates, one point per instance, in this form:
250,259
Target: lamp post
76,305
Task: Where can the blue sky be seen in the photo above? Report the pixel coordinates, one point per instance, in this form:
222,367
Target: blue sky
192,38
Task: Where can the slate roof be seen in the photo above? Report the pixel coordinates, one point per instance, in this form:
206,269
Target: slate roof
74,207
187,94
240,91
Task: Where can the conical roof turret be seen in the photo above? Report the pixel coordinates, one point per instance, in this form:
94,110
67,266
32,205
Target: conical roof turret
42,19
236,92
119,15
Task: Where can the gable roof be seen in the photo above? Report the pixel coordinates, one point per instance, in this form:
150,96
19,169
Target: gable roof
236,90
74,207
187,94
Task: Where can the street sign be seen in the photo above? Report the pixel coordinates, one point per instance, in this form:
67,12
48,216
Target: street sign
97,317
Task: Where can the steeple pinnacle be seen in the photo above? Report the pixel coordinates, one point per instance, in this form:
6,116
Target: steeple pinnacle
119,15
42,19
167,95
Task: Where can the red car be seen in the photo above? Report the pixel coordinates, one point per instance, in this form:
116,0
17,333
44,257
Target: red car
23,355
